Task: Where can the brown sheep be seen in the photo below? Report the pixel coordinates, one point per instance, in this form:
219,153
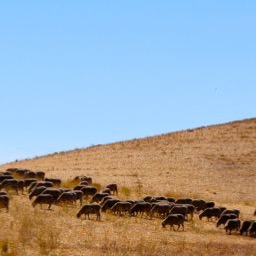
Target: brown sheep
183,201
83,178
98,197
89,191
88,209
34,184
79,195
106,190
174,219
245,226
108,204
36,191
113,188
43,199
229,211
141,208
252,229
6,177
179,209
10,184
224,218
27,182
40,175
66,198
121,207
4,202
161,209
210,212
104,199
84,183
56,182
232,224
54,192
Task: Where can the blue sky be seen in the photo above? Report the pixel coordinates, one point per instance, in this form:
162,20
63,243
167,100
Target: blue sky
78,73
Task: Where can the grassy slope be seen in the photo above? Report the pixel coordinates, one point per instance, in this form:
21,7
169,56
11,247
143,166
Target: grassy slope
215,163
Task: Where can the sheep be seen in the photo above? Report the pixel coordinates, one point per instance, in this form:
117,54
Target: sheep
83,178
179,209
11,170
85,183
104,199
157,199
209,204
40,175
36,191
210,212
232,224
9,184
88,209
30,174
229,211
98,197
108,204
3,193
56,182
79,195
6,177
245,226
19,173
161,209
79,187
252,229
190,210
28,181
34,184
140,207
201,204
183,201
89,190
147,198
66,197
113,188
224,218
43,199
174,219
54,192
121,207
5,173
4,202
106,190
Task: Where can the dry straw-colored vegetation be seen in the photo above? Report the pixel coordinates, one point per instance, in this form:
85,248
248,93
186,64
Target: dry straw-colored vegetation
214,163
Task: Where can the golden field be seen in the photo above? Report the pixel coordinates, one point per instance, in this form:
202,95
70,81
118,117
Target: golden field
213,163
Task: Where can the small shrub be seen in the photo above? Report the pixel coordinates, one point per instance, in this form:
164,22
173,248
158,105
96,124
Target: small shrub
125,191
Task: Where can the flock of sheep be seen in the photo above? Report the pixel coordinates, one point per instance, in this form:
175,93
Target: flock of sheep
174,212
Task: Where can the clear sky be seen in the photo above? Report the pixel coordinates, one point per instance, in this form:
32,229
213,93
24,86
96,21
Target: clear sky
78,73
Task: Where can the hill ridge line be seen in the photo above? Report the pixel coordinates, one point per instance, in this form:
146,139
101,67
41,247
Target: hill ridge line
65,152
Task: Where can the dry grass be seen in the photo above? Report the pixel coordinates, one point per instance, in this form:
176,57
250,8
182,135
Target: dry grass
215,163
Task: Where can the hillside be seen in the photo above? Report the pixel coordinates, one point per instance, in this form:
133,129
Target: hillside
216,162
213,163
